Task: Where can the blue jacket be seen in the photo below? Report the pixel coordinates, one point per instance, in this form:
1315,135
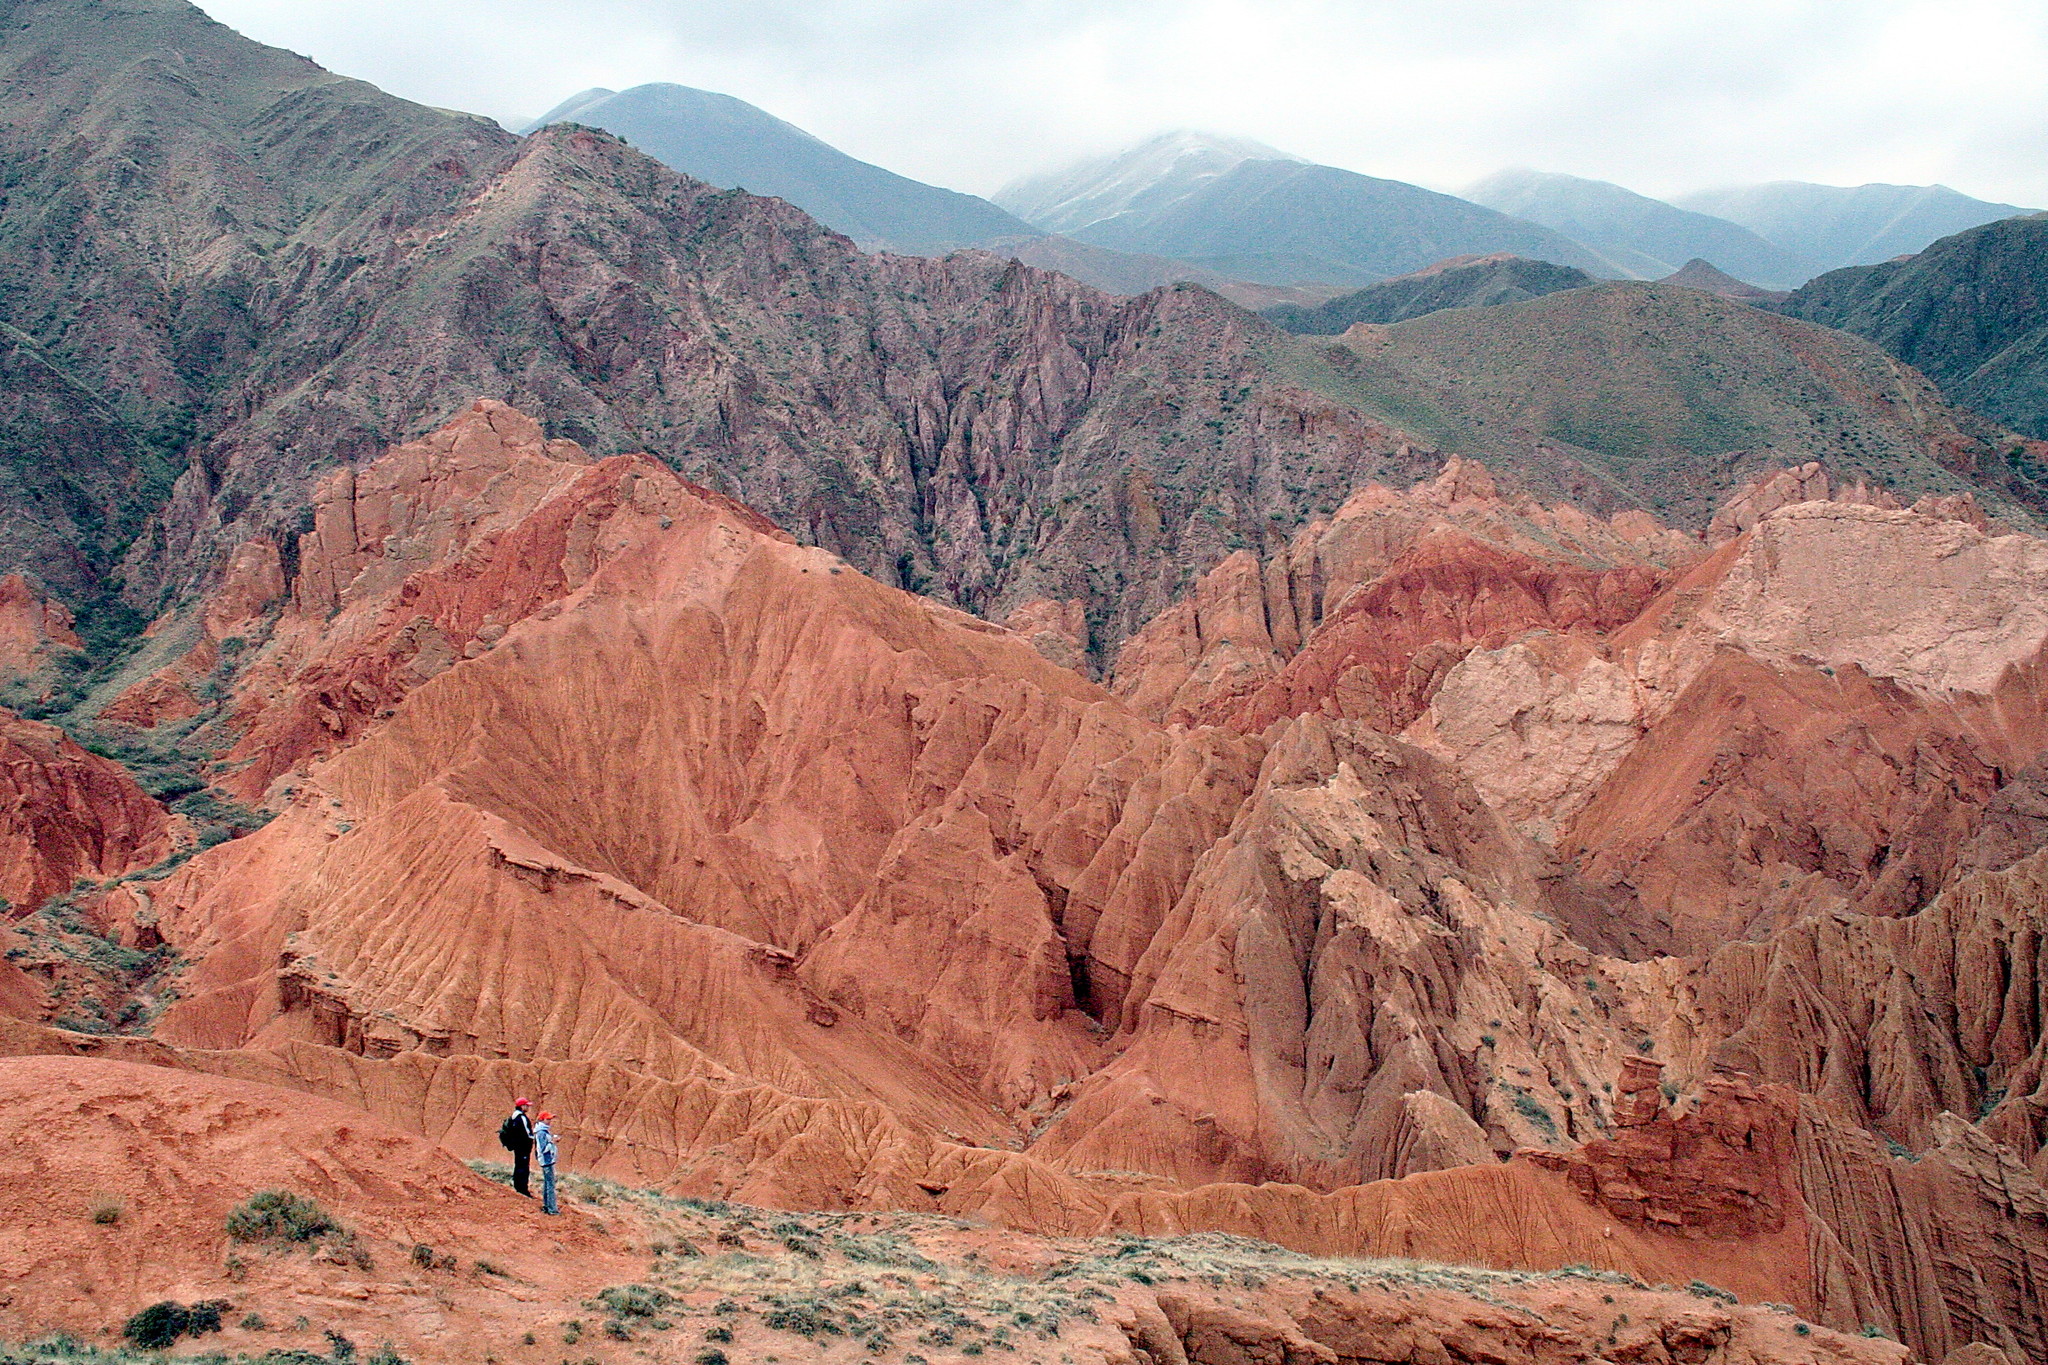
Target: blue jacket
543,1144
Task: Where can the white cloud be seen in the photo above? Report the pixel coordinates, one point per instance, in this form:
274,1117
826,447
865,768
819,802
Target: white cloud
968,93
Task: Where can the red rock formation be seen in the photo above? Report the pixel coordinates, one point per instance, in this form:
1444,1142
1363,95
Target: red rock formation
1365,612
168,1154
1724,1169
67,814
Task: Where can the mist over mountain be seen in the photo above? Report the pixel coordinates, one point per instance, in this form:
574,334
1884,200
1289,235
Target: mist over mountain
1652,237
1971,311
731,144
1144,179
1256,214
1835,225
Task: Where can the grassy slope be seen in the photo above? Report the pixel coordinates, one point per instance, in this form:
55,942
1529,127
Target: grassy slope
1971,311
1663,396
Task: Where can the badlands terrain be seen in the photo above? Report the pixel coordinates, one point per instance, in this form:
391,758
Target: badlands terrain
1004,819
1476,882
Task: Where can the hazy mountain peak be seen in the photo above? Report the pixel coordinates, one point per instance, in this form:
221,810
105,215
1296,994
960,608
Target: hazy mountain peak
1148,175
566,111
1652,238
728,142
1840,225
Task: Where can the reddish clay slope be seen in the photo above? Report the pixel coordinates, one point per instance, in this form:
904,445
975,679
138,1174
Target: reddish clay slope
442,1266
122,1178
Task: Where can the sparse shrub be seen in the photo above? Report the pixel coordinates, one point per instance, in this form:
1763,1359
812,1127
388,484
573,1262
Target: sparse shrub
528,1339
107,1212
805,1317
1802,1329
253,1322
1871,1329
720,1333
572,1331
616,1329
279,1215
343,1249
1531,1109
484,1267
635,1300
423,1256
339,1346
1701,1289
711,1355
387,1354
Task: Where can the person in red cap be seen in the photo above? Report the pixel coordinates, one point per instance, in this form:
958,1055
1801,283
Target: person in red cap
515,1134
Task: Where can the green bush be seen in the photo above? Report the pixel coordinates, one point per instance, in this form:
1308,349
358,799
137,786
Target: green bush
158,1325
161,1324
279,1215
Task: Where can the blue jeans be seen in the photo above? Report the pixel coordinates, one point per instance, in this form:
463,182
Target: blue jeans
547,1189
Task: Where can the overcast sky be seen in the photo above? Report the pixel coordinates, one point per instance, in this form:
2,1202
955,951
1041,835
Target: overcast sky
1661,95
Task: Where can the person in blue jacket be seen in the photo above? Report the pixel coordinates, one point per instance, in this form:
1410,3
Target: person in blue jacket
544,1153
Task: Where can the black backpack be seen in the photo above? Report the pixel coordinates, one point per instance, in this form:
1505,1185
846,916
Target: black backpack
512,1134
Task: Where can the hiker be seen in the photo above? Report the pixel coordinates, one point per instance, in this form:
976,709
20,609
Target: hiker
544,1149
515,1134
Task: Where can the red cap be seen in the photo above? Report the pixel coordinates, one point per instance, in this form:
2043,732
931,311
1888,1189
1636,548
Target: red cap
545,1116
521,1104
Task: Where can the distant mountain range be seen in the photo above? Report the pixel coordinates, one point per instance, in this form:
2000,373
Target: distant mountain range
1254,213
1247,219
1971,312
1650,236
1835,226
730,143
